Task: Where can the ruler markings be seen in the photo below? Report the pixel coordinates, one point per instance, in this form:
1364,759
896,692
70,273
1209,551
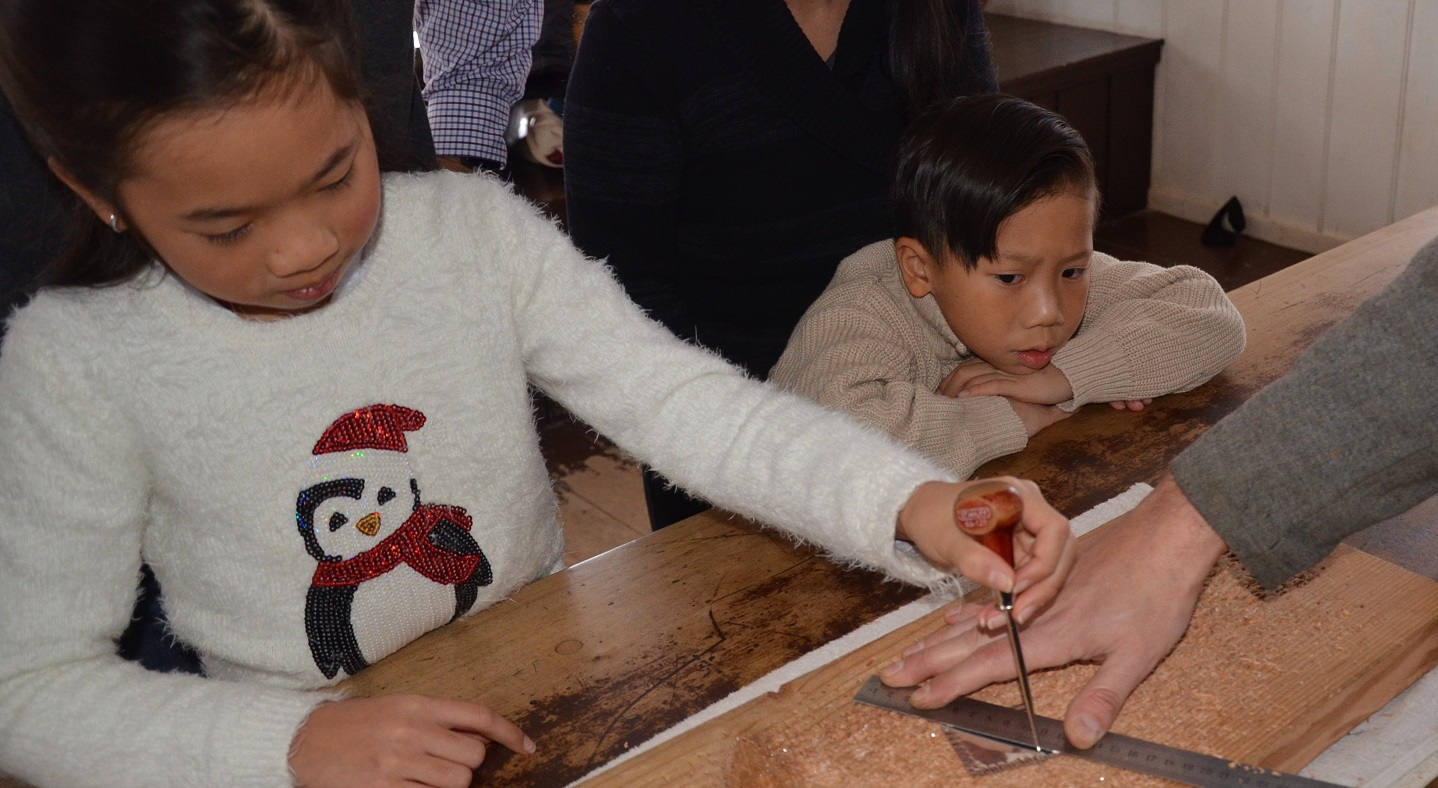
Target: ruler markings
1010,726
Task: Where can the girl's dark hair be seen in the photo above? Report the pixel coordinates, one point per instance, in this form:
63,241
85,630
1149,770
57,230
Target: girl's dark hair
966,165
938,50
88,79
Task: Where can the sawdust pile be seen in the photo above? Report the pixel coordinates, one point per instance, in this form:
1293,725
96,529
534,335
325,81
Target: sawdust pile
1214,694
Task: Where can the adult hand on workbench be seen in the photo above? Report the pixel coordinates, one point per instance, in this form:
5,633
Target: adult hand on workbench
1043,543
396,740
1126,604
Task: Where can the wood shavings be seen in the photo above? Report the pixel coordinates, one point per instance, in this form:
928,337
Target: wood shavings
1230,683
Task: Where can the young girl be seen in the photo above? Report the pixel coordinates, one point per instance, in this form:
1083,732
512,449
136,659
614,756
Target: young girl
298,390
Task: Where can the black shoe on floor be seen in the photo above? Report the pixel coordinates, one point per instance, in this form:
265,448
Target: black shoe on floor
1215,234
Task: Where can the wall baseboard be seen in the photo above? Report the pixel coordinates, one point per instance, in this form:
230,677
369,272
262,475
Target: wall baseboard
1198,209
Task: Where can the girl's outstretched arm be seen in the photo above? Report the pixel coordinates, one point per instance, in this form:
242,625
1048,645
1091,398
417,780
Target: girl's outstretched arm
745,446
396,740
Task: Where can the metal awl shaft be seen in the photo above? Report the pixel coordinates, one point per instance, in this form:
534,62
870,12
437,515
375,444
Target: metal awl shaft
988,511
1006,604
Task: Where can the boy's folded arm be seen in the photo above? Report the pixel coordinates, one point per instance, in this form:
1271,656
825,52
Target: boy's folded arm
878,381
1149,331
962,434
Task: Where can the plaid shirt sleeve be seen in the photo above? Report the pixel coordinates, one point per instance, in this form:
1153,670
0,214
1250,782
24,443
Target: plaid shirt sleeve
476,58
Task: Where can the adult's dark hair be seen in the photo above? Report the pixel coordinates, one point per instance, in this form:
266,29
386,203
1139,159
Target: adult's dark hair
937,50
966,165
88,79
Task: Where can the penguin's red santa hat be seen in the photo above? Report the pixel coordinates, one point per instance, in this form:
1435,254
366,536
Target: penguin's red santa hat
360,434
374,427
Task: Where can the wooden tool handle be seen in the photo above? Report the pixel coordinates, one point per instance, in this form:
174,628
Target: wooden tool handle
988,511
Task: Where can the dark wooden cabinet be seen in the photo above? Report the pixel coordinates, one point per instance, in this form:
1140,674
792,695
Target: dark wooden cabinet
1101,82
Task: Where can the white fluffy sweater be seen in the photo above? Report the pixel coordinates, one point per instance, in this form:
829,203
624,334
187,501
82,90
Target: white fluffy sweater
143,421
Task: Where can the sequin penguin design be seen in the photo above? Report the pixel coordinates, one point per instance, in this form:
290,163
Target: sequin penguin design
390,567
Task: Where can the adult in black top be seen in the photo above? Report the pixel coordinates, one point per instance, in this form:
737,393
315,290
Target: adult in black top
724,167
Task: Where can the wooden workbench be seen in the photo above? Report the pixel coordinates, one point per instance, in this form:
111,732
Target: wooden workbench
598,658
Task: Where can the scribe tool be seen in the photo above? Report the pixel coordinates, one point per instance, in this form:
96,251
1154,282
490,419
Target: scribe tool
988,512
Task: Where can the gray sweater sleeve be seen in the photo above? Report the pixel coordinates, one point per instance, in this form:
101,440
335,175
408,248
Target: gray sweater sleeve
1347,439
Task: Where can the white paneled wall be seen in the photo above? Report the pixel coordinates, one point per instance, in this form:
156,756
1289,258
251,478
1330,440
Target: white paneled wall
1320,115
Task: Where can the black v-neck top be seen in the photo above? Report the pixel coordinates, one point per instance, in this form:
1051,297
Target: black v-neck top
723,168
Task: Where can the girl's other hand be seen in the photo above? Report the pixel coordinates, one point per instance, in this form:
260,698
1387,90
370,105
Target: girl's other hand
1132,404
1044,547
395,740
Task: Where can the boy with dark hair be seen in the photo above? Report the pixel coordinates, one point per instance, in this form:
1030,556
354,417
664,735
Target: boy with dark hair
990,316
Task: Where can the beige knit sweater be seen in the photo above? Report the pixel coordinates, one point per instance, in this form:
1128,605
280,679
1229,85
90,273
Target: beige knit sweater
869,348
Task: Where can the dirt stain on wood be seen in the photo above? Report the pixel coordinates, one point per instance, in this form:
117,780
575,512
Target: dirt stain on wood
658,687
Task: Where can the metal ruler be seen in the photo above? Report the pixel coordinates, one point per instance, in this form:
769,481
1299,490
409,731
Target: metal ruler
1011,726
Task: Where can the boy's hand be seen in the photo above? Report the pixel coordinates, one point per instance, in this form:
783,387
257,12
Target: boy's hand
1043,545
395,740
977,378
1036,417
1048,386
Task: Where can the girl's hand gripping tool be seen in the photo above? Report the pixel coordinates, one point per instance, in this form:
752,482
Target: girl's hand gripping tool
988,512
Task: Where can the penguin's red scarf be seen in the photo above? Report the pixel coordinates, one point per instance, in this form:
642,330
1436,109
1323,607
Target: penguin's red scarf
409,545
